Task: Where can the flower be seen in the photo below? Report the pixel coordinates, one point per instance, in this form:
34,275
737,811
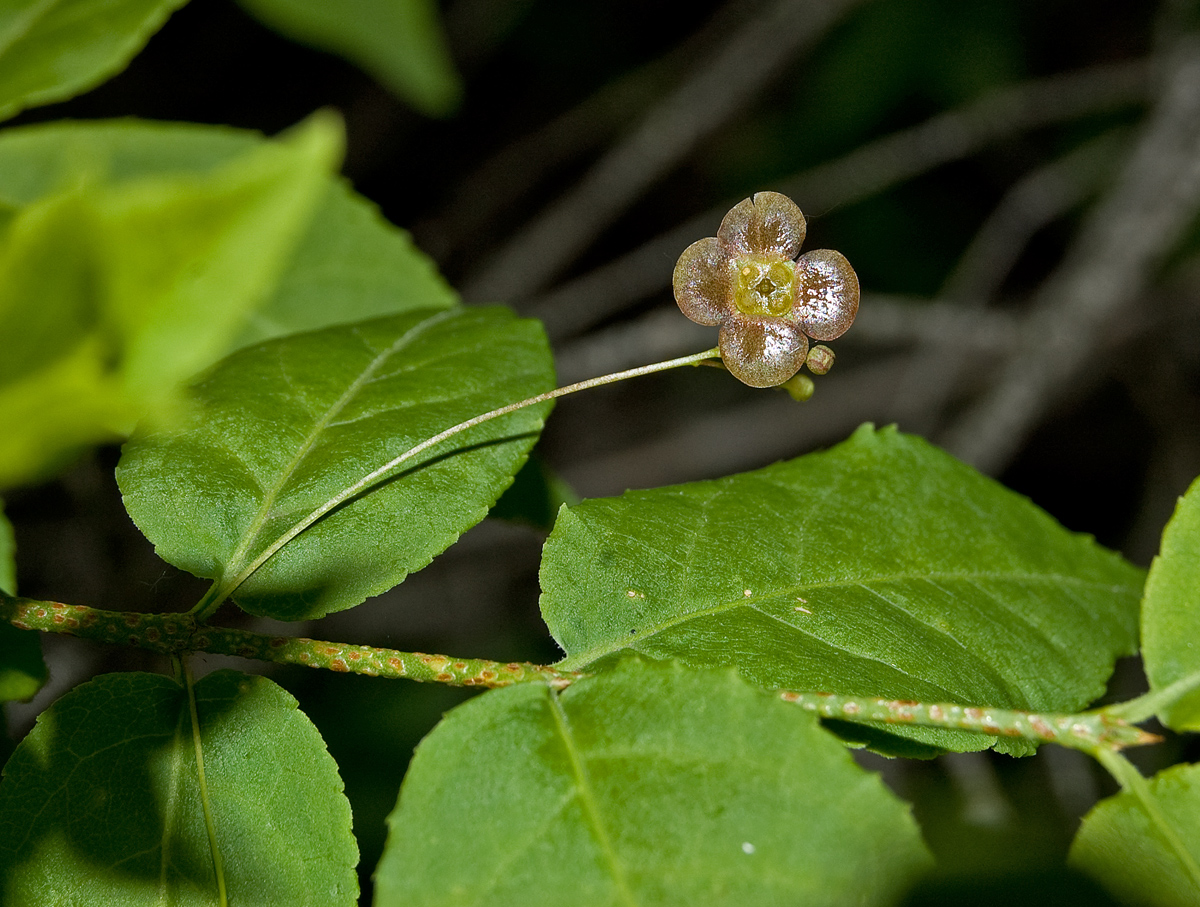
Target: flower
747,280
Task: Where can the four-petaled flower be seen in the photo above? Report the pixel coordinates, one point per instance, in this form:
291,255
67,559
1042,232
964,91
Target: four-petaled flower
767,304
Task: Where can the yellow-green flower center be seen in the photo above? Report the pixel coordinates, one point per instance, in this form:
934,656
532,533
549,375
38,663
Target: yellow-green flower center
765,287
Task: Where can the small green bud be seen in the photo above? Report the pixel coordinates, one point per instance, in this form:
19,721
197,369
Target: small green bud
801,387
820,359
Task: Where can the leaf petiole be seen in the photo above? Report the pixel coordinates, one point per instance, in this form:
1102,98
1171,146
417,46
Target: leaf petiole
223,588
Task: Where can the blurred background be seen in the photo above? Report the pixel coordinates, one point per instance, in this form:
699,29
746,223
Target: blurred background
1016,183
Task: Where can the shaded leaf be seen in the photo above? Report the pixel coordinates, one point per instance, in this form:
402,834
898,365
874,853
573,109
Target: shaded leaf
1171,613
652,784
51,50
22,671
399,42
1147,856
102,796
110,296
280,428
882,567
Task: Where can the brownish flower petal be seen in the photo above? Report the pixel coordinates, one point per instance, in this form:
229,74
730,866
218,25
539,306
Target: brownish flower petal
703,281
762,352
768,224
826,294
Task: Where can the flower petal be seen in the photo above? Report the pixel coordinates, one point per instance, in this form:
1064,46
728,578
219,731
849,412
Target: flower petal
826,294
762,352
768,224
703,281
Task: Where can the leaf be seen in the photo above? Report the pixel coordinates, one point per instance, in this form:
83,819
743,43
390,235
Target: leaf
651,784
399,42
104,324
283,427
1146,856
351,264
102,796
1171,614
882,567
22,670
51,50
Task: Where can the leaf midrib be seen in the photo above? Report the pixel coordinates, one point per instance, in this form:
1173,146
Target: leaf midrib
238,558
587,800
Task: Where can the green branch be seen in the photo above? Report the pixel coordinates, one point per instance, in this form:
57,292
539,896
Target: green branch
181,634
1087,731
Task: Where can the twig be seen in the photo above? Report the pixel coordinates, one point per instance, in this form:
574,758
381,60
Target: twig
1104,271
882,320
1034,201
178,635
1087,731
587,300
769,426
479,198
181,634
716,92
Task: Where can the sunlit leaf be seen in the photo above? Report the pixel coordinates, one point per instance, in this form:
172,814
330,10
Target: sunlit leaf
882,567
1147,852
51,50
652,784
1171,613
22,671
351,264
101,803
112,295
281,428
399,42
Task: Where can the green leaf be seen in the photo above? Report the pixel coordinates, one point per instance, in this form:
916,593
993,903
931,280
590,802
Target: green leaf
22,670
652,784
351,264
399,42
1146,848
1171,615
103,797
281,428
882,567
51,50
112,295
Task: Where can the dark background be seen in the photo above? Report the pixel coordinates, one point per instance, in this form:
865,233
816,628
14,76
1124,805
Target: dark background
555,93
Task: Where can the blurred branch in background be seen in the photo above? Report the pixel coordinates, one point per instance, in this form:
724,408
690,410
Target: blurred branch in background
608,290
480,199
1033,202
1104,272
716,92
